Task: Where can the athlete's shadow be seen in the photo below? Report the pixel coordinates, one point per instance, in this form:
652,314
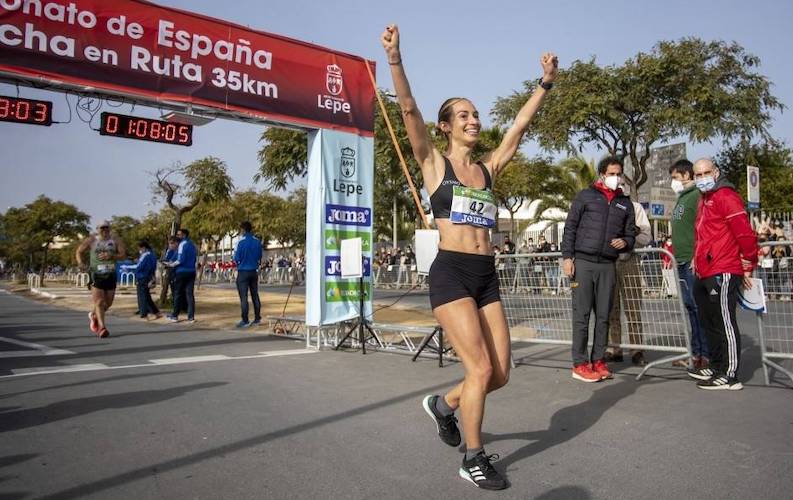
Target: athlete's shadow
567,423
22,419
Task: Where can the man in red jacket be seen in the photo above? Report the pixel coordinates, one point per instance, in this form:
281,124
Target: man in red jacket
725,253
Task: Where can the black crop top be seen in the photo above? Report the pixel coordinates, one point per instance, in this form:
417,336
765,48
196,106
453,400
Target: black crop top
441,199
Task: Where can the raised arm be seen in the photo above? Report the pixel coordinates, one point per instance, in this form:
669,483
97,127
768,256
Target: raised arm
86,243
420,141
121,249
498,158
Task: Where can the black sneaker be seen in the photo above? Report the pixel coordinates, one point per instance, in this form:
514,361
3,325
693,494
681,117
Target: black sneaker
481,472
721,383
701,374
447,425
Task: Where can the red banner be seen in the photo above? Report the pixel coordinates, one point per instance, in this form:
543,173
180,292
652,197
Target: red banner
144,50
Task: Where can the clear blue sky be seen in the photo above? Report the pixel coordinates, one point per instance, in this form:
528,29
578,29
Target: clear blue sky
477,49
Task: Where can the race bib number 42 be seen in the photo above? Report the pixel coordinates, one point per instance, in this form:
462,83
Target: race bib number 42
476,207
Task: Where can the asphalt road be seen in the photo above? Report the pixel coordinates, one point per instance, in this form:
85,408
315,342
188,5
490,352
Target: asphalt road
168,411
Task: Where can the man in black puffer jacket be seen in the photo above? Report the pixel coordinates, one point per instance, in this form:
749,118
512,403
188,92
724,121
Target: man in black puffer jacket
600,225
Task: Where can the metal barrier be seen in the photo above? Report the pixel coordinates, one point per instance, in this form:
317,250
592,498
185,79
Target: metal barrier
81,280
775,269
34,281
127,279
537,301
398,276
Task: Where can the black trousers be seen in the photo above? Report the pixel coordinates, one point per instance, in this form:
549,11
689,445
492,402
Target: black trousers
249,281
593,289
145,303
716,298
183,284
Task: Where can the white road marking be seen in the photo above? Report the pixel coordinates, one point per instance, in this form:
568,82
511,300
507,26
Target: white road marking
38,349
41,370
19,372
192,359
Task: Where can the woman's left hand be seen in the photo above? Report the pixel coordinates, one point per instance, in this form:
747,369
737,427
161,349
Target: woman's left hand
550,67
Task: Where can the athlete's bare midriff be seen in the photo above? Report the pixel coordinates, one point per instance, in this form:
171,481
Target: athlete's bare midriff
463,238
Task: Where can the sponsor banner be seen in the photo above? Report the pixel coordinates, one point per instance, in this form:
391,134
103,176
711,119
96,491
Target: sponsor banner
333,239
340,184
333,266
346,292
155,53
346,215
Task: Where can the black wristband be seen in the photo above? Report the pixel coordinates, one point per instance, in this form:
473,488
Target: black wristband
546,86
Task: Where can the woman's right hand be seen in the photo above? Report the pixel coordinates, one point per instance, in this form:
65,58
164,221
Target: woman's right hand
390,41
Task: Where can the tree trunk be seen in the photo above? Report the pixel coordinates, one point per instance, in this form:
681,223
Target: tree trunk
394,223
43,265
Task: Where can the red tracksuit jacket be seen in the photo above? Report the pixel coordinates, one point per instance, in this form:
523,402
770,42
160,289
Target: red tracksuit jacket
722,233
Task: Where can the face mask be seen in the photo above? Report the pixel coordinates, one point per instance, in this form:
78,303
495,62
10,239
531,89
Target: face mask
612,182
677,186
706,184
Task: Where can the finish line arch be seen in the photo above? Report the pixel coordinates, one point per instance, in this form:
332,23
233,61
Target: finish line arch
198,65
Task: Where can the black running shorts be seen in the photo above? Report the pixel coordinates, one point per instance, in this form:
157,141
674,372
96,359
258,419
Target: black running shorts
104,281
456,275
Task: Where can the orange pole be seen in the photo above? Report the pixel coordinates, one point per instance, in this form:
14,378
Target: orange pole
405,170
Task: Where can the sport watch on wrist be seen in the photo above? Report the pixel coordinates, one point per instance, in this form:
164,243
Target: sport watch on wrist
546,86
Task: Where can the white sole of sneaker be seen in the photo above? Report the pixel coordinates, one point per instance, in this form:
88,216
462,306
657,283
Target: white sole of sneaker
467,477
725,387
582,379
426,404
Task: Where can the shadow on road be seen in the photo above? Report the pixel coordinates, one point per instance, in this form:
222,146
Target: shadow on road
92,381
143,472
566,423
23,419
565,493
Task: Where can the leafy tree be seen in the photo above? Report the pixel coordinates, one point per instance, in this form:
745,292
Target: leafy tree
155,228
126,228
283,159
183,187
775,161
702,90
38,225
289,222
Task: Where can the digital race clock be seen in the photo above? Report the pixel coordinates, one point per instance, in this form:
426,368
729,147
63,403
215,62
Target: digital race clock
146,129
18,110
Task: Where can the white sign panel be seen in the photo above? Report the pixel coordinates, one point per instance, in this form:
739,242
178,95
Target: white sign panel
351,258
753,187
426,249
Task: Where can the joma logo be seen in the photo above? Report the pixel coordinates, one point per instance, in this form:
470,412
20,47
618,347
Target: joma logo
347,216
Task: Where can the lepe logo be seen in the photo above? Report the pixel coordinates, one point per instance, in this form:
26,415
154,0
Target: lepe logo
334,84
348,216
333,80
347,162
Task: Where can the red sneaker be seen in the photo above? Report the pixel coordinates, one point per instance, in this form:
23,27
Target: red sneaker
584,373
93,323
602,369
103,333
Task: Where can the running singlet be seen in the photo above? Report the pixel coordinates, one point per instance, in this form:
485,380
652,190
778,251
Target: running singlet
462,204
103,267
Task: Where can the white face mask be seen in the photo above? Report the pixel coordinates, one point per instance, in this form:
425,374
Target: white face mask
612,182
677,186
